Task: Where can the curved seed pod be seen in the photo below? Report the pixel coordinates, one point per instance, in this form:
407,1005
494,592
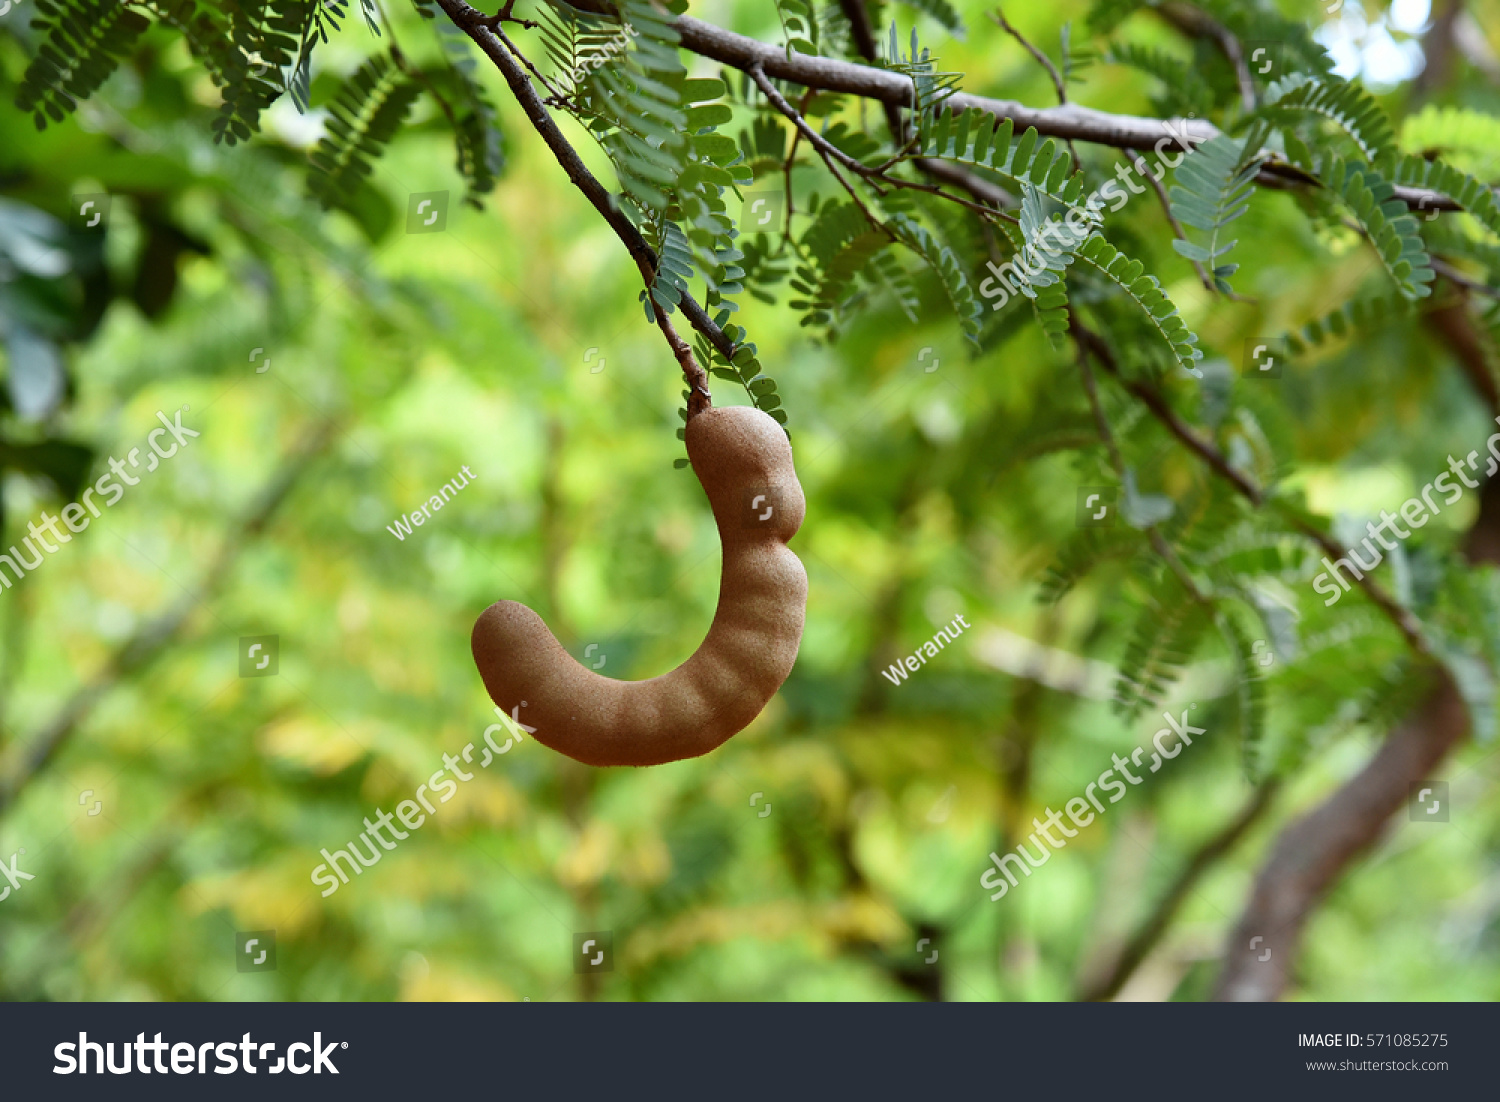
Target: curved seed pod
743,460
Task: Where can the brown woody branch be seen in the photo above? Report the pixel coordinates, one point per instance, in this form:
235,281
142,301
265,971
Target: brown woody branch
1068,121
492,41
1132,954
1313,852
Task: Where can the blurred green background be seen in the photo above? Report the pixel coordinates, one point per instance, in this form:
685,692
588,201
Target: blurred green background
938,483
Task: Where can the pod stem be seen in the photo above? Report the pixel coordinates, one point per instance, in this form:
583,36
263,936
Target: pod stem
488,34
700,398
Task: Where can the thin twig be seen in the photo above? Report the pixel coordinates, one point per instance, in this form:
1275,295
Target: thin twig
1405,622
1158,543
1166,207
1070,121
1042,59
902,137
1046,63
1153,532
1197,22
497,47
822,146
874,176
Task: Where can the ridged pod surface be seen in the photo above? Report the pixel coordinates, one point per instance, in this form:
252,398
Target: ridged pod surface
744,462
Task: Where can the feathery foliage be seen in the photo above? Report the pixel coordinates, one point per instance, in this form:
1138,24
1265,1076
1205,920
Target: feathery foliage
1145,291
1186,90
1383,219
1343,103
1212,188
369,109
83,42
976,137
1464,137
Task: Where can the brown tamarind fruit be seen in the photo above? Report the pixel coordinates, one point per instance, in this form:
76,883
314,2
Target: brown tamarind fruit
744,462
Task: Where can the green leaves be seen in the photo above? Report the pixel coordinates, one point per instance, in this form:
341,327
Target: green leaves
976,137
799,22
930,87
1462,135
84,42
1386,222
1187,91
1145,291
369,109
744,368
837,246
1165,636
1345,104
480,157
1354,317
1212,188
1250,689
1046,247
1473,195
949,273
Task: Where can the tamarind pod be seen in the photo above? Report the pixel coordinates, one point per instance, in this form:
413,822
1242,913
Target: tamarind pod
744,462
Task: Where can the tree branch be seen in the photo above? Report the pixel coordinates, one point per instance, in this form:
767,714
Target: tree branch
1405,622
1069,121
1313,852
1108,982
945,171
1199,24
499,50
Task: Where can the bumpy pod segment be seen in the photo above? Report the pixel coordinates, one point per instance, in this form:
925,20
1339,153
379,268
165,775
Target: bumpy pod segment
744,461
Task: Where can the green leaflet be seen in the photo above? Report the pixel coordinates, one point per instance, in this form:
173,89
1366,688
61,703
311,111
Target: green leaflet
1354,317
1165,637
1082,554
1466,138
1386,222
945,266
1212,188
1250,690
744,368
84,42
931,88
1345,104
838,243
466,104
1050,245
364,116
976,137
799,23
1471,194
1145,291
